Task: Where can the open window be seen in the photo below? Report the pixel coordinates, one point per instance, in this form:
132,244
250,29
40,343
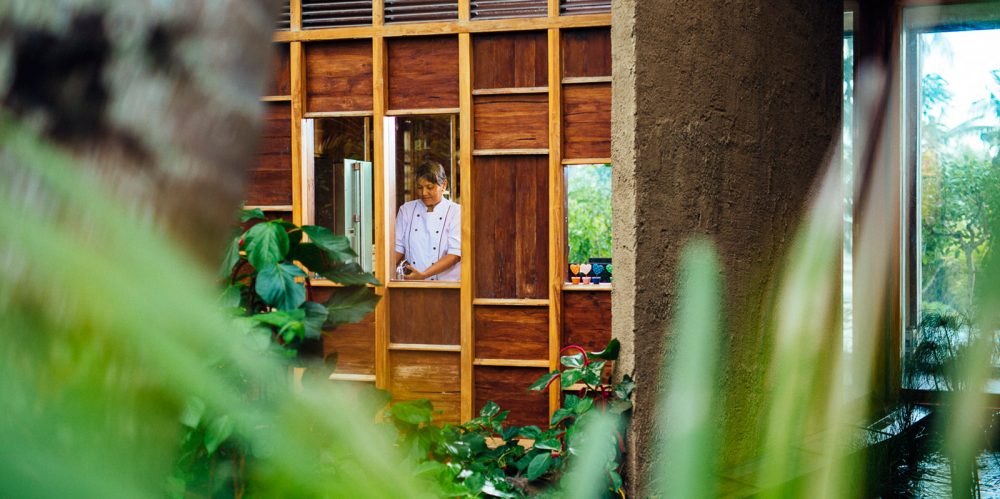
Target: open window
588,224
952,162
338,188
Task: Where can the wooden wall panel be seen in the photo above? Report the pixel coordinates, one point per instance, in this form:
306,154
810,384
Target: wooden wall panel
423,72
511,121
425,316
586,52
587,121
512,332
508,386
506,60
354,345
587,319
270,182
511,224
427,375
339,76
280,82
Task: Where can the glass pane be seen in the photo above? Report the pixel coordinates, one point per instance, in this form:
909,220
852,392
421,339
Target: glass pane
423,153
342,182
588,223
956,189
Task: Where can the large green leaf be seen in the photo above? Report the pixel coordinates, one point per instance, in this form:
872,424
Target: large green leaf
276,285
350,304
572,361
349,274
544,381
490,409
232,296
248,215
315,317
539,465
337,247
231,258
217,433
412,412
280,318
549,444
266,244
610,352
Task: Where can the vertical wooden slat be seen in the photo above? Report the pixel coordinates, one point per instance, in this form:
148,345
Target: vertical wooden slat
378,13
295,11
383,246
464,10
468,198
556,222
298,101
553,12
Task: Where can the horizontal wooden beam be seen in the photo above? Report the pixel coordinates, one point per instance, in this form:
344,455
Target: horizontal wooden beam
511,363
337,114
511,302
367,378
510,152
587,161
269,207
574,80
587,287
422,347
444,28
422,112
276,98
511,91
424,284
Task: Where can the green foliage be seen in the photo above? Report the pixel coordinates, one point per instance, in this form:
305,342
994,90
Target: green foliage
588,211
483,456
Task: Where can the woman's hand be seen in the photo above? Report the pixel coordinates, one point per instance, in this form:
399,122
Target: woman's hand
415,275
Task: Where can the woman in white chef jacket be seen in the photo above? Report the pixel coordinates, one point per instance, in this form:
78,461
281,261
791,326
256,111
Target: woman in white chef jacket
429,230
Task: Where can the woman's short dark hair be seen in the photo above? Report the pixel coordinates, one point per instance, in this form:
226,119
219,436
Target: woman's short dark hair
431,171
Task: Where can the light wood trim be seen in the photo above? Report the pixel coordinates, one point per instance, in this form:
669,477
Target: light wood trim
295,14
423,347
381,214
511,302
322,282
556,207
297,81
393,284
468,248
443,27
511,363
368,378
464,10
308,162
422,112
553,8
510,152
574,80
511,91
272,207
337,114
587,161
276,98
378,13
586,287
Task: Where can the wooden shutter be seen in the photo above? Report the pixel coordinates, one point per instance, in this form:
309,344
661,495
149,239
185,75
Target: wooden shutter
399,11
570,7
330,14
285,17
505,9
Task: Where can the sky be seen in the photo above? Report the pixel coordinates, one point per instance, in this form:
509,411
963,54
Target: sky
965,59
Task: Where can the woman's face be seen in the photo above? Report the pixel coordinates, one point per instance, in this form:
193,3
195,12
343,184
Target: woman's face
429,192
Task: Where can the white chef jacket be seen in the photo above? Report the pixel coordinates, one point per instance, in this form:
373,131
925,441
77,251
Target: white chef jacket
425,237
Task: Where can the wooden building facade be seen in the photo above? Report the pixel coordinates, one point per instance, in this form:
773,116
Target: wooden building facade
507,95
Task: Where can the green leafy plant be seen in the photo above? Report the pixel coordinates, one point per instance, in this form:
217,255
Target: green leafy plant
264,284
483,456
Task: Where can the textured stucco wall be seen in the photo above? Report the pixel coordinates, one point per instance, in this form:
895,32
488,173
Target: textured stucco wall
723,112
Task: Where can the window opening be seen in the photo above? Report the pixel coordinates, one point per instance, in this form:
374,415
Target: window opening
588,224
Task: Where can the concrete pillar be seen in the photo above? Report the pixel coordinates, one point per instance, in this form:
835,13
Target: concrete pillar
723,112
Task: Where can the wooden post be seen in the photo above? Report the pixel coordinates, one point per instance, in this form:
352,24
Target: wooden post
468,198
557,265
383,244
297,66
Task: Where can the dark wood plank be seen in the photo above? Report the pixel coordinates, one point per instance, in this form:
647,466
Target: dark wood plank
586,52
270,181
511,332
423,72
434,376
587,121
427,316
511,226
508,60
339,76
280,81
508,386
510,121
586,319
354,345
